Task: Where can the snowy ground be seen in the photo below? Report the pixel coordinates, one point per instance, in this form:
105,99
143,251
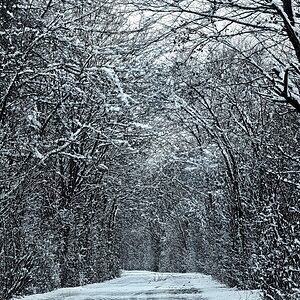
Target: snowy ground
149,285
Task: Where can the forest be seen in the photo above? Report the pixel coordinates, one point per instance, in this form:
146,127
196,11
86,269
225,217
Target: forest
156,135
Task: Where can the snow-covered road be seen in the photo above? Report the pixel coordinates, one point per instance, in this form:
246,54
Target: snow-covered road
149,285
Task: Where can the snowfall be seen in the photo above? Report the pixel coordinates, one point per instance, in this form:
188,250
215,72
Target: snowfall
150,285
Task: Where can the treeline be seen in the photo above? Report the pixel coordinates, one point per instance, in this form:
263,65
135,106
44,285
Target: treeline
218,191
64,118
154,135
221,197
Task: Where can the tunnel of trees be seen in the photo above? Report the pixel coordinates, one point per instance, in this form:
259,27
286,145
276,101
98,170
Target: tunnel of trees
149,134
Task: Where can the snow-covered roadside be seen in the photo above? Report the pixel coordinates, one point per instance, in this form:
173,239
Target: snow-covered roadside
150,285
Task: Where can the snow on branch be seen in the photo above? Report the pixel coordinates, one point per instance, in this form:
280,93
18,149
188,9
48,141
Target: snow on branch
116,81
